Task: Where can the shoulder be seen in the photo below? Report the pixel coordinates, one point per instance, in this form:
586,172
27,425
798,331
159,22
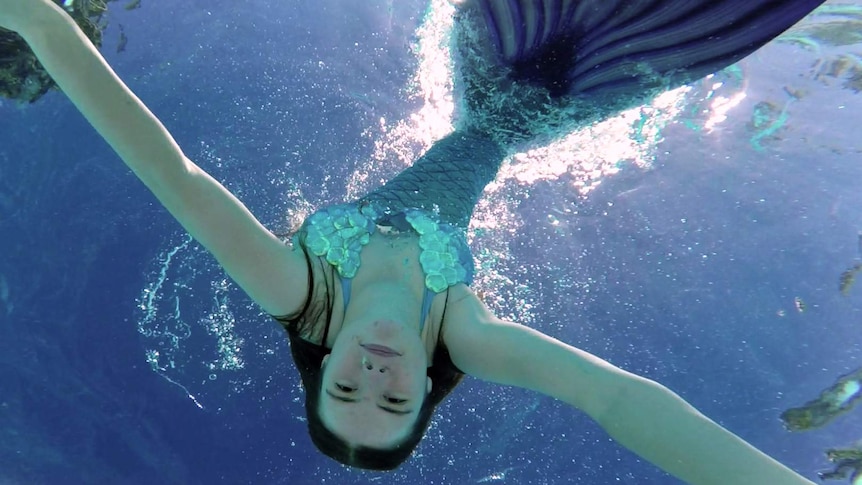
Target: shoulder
469,332
313,314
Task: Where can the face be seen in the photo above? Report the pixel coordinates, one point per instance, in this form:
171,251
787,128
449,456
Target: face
374,383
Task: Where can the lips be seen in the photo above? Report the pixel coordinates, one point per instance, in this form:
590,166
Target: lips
381,350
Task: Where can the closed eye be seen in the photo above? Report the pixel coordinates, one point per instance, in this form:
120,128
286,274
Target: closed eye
395,411
340,397
400,412
343,388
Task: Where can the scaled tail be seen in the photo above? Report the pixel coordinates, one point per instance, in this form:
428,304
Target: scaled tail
539,68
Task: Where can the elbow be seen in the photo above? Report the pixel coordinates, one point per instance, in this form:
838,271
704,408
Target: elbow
628,393
168,174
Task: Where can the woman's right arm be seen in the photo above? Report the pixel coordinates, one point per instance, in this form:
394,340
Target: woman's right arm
272,274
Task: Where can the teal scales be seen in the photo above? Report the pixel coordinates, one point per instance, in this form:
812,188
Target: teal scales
434,198
339,233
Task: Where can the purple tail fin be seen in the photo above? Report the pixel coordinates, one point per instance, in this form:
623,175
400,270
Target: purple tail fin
607,46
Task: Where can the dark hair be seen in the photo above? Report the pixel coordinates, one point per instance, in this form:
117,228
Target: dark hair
308,357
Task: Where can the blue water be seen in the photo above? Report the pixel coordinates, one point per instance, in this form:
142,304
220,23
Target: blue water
685,271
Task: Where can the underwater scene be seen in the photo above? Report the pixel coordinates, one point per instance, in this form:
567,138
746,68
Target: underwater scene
708,238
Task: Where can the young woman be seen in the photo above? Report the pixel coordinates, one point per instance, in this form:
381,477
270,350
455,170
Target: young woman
374,293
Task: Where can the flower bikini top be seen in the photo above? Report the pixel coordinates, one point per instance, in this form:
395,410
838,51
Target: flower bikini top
339,232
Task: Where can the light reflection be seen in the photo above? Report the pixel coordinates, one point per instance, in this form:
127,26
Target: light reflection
579,162
584,158
721,106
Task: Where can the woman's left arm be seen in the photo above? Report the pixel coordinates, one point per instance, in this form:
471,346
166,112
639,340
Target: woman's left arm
642,415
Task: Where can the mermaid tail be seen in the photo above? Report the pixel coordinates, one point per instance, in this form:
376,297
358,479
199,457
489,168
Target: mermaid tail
530,71
583,47
447,180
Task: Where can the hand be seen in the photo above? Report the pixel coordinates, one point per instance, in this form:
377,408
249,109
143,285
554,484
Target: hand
16,15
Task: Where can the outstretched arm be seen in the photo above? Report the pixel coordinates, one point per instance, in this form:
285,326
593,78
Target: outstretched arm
640,414
266,269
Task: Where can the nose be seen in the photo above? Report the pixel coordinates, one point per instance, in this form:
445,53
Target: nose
368,365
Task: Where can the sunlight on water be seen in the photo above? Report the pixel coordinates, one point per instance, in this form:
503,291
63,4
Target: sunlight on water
593,153
190,334
584,158
721,106
398,143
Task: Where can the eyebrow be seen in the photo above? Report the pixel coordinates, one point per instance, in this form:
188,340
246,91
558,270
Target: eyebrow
385,408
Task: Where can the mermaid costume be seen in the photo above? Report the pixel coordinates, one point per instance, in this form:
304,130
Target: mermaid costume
433,198
528,72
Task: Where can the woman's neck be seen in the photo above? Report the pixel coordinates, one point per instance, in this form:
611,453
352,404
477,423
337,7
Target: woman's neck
384,300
